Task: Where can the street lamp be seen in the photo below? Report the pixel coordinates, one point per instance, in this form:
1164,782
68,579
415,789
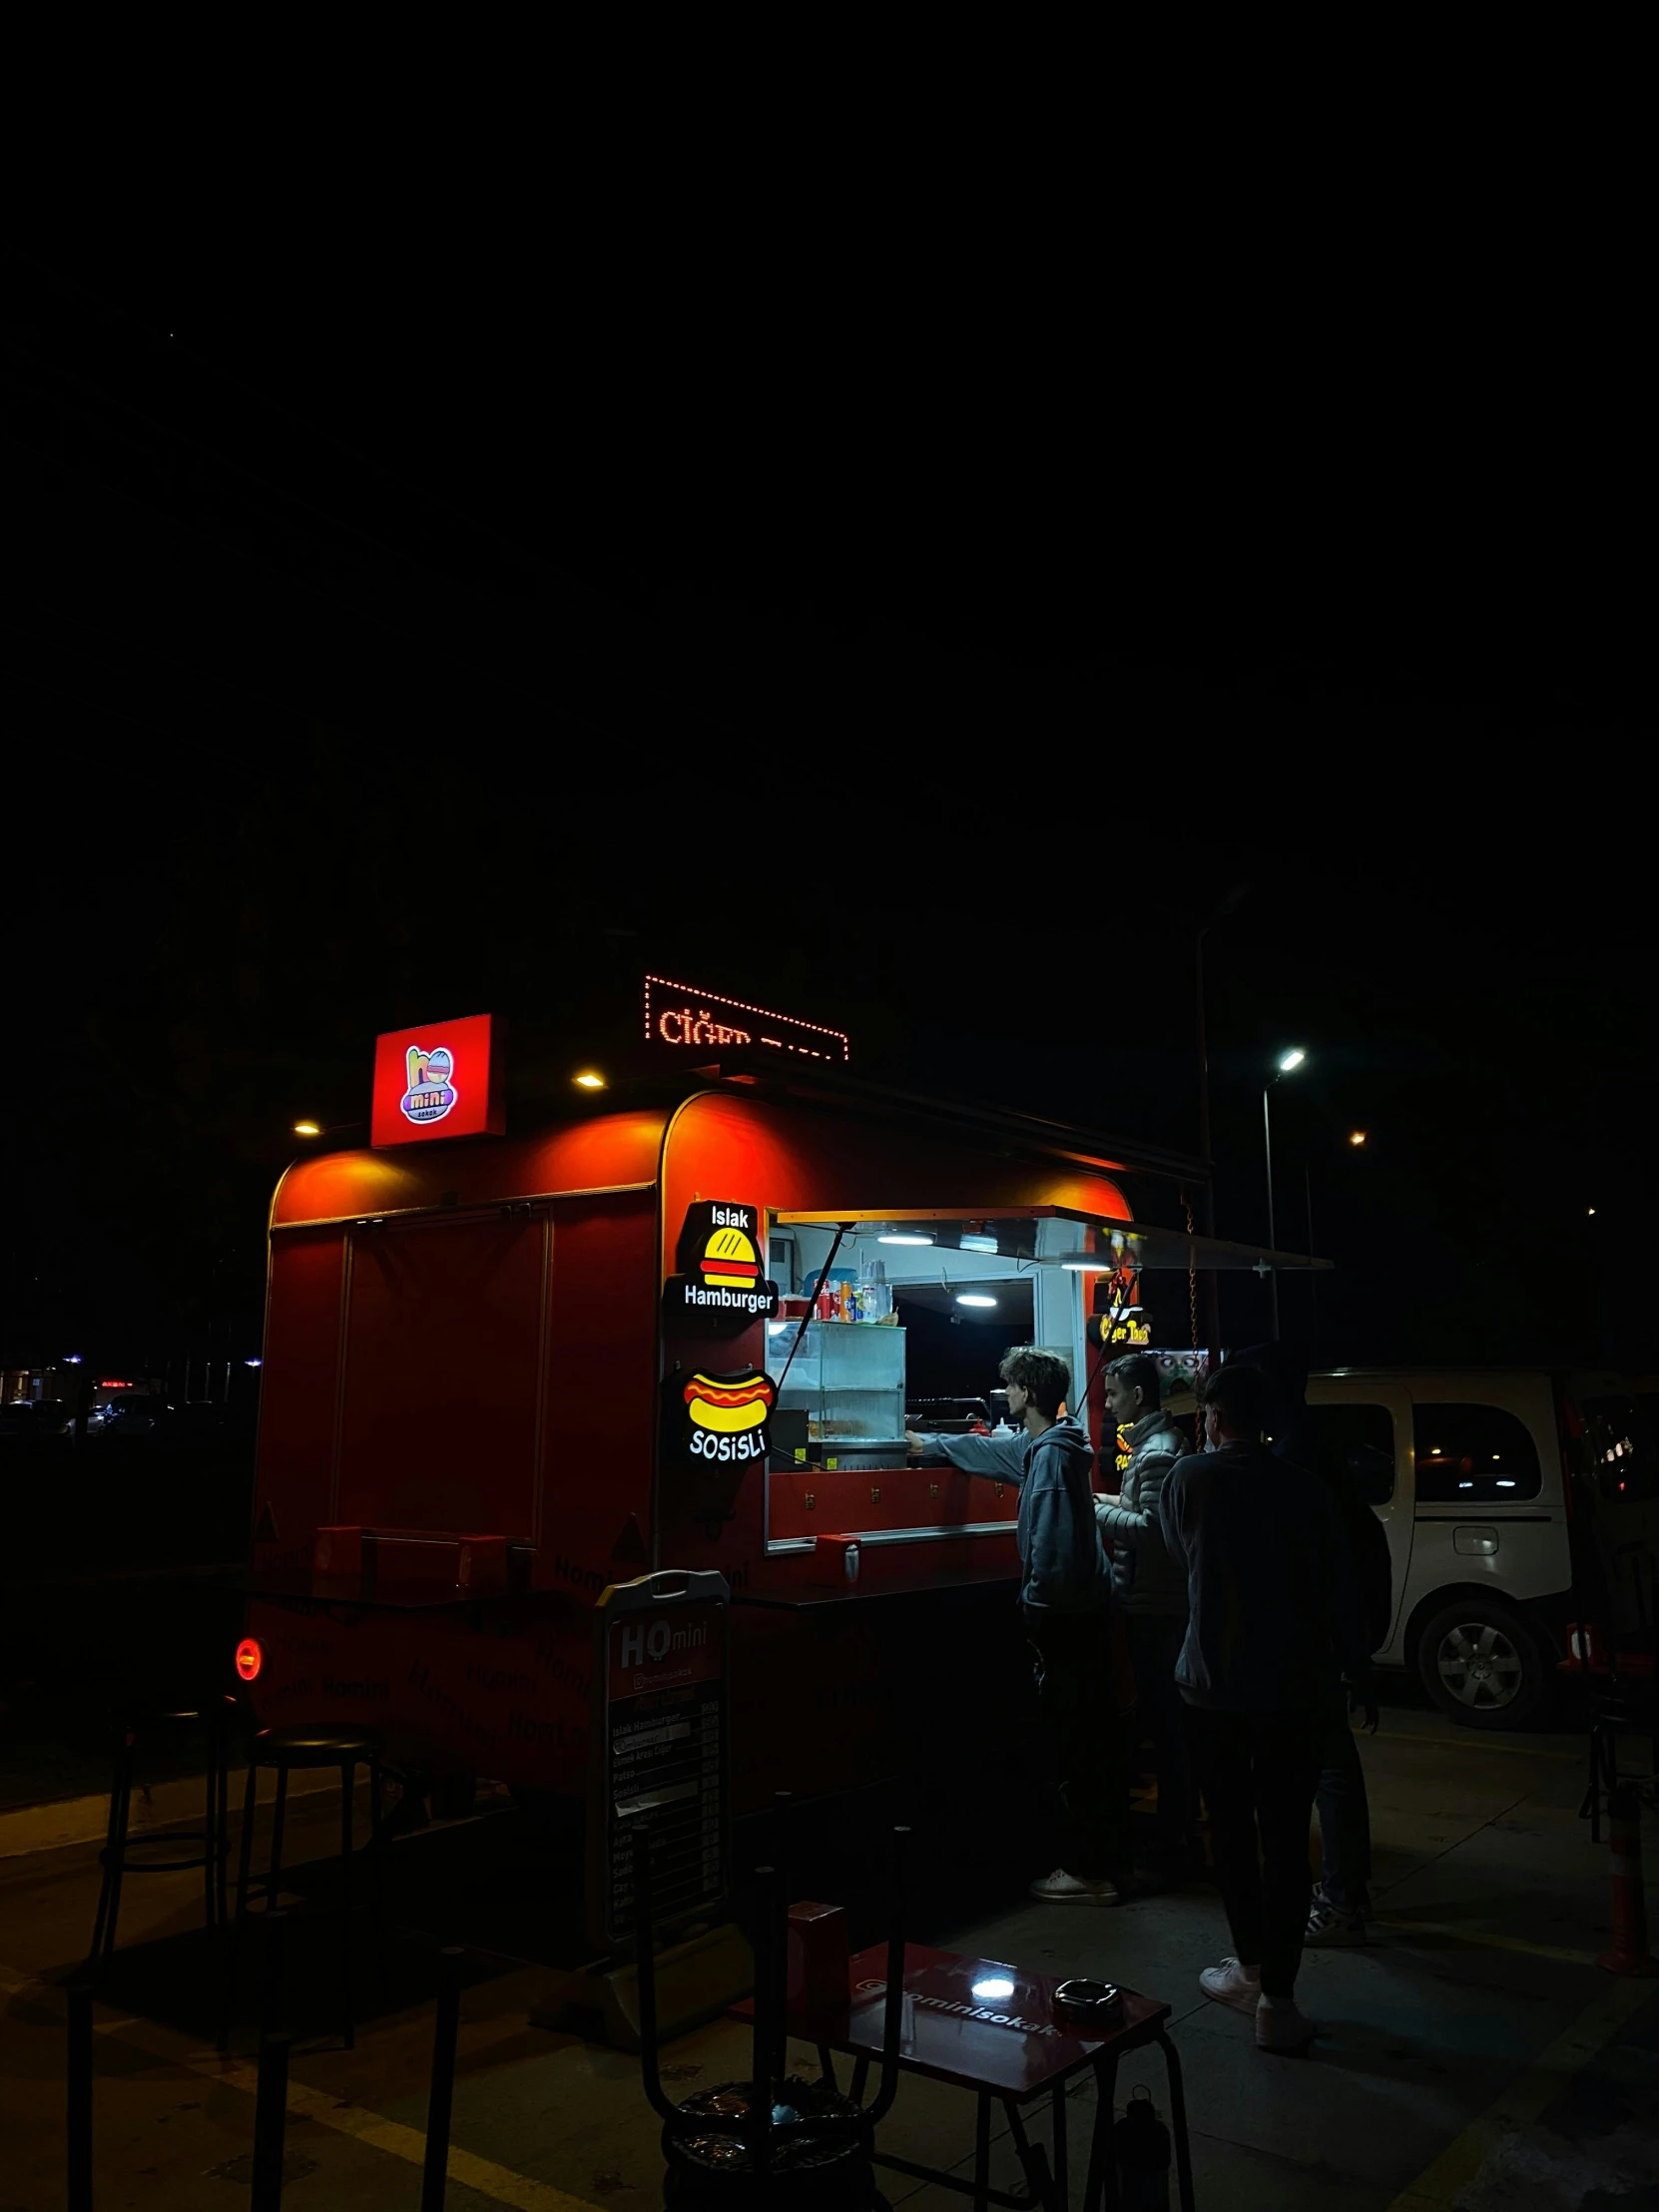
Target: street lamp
1287,1064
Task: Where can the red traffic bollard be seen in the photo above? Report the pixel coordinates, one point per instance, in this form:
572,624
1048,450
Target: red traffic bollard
1629,1954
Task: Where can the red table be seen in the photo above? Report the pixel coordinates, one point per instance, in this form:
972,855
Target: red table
985,2025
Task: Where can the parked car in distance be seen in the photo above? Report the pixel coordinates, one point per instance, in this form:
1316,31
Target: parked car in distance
1517,1502
36,1416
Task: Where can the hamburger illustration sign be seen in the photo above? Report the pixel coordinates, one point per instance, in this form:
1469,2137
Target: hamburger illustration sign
721,1418
720,1283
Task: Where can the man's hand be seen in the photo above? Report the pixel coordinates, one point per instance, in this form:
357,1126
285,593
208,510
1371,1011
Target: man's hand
1362,1698
913,1443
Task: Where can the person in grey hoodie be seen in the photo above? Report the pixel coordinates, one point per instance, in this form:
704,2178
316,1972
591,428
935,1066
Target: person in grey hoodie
1065,1600
1149,1588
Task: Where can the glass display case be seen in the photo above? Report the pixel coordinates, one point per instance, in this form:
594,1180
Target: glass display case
849,1380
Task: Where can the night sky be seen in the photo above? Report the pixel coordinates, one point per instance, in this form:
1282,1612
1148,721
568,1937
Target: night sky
392,643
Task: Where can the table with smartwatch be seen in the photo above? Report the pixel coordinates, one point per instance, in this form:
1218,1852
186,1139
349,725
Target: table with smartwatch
996,2029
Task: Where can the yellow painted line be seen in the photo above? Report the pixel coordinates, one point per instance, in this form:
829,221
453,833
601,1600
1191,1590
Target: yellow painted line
1477,1740
1439,2186
499,2183
1494,1943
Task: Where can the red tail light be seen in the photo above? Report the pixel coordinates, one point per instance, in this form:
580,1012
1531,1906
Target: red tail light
250,1659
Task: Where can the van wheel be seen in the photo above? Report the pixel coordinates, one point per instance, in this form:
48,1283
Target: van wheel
1482,1663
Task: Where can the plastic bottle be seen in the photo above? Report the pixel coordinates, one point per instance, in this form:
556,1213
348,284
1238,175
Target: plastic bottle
1140,2144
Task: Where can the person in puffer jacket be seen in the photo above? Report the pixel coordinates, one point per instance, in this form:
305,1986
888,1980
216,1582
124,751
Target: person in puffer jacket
1151,1589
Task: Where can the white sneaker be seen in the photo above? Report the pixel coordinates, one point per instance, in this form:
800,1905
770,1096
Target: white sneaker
1334,1924
1279,2026
1060,1888
1231,1983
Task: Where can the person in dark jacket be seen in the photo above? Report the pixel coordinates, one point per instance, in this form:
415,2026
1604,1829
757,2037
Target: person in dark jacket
1273,1620
1148,1588
1342,1899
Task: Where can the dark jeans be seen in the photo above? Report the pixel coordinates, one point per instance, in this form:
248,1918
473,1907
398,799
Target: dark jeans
1154,1647
1345,1812
1086,1740
1258,1773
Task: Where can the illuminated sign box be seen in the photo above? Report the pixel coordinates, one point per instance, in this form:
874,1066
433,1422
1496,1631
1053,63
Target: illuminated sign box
441,1079
679,1018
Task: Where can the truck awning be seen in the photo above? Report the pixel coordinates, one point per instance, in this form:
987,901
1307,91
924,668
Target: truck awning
1119,1243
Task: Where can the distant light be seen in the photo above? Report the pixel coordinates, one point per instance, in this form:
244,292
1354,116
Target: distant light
1465,1485
1292,1059
974,1298
977,1244
253,1362
1357,1136
1589,1209
1506,1482
1092,1263
72,1359
589,1081
906,1238
992,1987
307,1129
249,1658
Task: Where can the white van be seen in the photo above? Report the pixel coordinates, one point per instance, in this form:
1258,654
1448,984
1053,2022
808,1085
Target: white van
1522,1507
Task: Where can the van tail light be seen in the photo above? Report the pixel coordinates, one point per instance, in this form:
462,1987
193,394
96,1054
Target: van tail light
250,1659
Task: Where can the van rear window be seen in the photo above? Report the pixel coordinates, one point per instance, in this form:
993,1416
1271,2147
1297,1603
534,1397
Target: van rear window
1474,1456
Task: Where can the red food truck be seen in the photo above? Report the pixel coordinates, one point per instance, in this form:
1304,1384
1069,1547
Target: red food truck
676,1322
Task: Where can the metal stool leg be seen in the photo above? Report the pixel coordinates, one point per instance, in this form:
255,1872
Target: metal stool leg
377,1845
1033,2164
115,1840
210,1836
221,1823
274,1872
982,2153
1102,2186
1062,2182
120,1814
1178,2122
245,1851
348,1791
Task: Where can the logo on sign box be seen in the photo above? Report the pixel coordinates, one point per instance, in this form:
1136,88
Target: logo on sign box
720,1283
431,1092
442,1080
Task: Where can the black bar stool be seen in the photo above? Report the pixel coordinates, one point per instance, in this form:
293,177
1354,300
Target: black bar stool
123,1854
285,1751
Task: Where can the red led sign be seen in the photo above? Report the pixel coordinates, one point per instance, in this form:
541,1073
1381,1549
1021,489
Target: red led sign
444,1079
680,1017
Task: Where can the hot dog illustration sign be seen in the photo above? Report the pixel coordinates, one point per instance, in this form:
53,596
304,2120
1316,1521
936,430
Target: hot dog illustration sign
720,1280
720,1419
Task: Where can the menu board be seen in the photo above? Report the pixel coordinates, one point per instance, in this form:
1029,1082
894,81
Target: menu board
660,1742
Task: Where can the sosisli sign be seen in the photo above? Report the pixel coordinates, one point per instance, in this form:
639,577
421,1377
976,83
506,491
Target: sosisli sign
723,1418
444,1079
679,1017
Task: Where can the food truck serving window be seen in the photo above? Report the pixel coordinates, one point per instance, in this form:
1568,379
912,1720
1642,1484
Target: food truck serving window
896,1323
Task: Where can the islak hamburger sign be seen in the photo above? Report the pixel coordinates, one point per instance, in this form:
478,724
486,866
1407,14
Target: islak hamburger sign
720,1281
